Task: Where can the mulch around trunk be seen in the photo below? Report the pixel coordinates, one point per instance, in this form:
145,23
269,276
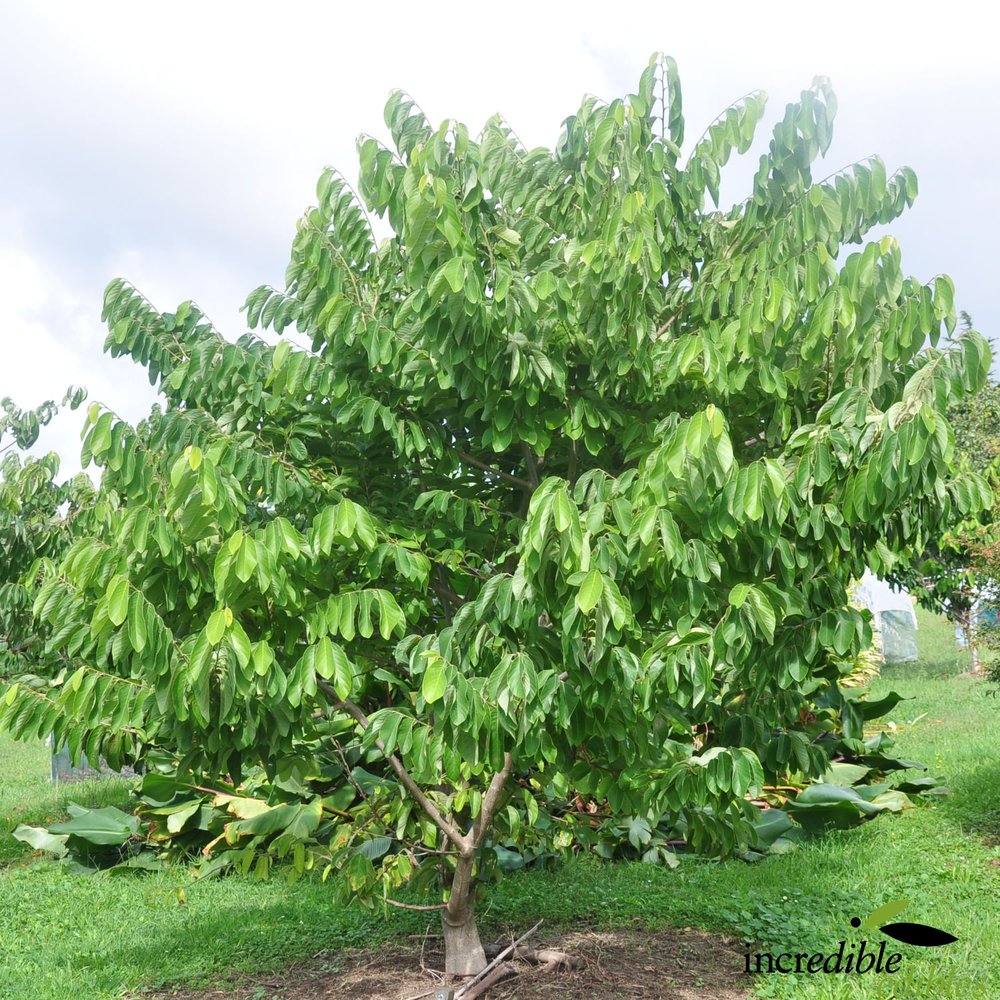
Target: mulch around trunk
616,964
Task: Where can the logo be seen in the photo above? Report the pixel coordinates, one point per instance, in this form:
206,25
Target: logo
919,934
866,958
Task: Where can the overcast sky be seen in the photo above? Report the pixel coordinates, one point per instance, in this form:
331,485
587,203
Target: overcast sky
175,144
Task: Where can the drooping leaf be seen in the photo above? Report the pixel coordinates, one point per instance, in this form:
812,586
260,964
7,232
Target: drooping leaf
105,826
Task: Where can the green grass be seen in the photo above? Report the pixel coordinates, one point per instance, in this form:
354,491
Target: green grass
66,936
71,936
28,796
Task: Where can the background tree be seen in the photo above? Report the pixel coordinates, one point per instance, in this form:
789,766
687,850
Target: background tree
976,422
984,553
562,498
37,518
951,573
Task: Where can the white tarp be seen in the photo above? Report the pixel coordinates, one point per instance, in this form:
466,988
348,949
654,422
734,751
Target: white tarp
895,616
876,594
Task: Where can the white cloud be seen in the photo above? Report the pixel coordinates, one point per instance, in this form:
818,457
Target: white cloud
176,144
48,343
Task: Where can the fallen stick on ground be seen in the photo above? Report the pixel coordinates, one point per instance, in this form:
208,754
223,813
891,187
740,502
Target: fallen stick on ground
503,971
549,958
464,991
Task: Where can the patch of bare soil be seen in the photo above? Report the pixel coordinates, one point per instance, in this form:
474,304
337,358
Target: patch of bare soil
614,965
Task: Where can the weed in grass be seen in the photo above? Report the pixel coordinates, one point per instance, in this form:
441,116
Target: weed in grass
810,921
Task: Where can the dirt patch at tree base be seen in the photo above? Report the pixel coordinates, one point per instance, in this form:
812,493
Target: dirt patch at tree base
615,964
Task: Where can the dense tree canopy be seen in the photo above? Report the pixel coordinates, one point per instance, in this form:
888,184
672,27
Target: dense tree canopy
561,495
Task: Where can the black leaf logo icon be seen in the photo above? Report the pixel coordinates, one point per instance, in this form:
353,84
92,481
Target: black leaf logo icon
909,933
921,934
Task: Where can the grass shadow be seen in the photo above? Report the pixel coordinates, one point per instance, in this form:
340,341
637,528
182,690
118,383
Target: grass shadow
975,801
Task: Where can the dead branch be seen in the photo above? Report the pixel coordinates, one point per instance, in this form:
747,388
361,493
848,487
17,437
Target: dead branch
501,972
463,993
549,958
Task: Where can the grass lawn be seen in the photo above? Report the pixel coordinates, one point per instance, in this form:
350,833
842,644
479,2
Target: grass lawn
65,937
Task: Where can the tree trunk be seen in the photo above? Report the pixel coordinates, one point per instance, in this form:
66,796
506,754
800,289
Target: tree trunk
463,951
968,623
973,641
974,653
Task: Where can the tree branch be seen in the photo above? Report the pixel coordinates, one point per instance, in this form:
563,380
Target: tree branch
447,595
490,802
14,650
504,971
472,460
571,472
414,906
666,326
532,463
464,844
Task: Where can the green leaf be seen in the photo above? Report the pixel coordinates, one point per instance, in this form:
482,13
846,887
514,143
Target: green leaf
639,831
246,559
893,799
435,680
562,510
240,642
144,861
343,681
104,826
40,839
590,591
262,657
822,805
763,612
738,594
840,773
177,819
216,627
454,273
137,622
323,661
299,820
280,354
375,848
118,600
773,307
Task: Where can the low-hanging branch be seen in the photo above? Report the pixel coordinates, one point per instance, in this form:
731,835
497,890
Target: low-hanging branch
414,906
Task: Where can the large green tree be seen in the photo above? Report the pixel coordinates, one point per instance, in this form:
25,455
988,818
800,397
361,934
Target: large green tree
562,493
